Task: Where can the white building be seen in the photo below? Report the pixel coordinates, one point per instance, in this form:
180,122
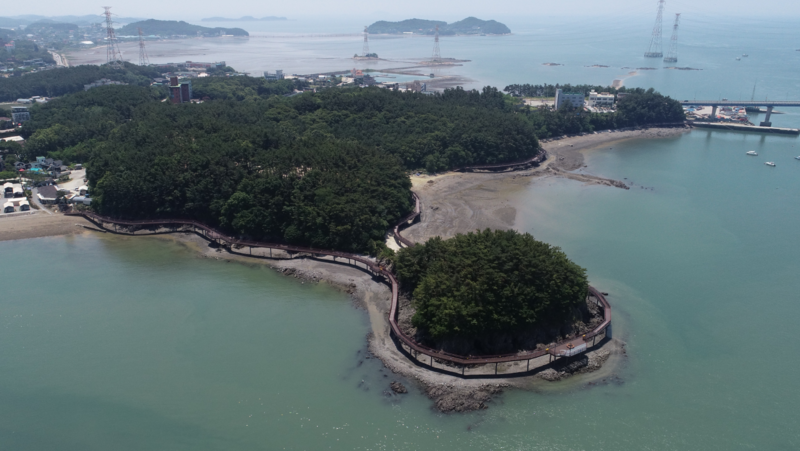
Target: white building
20,114
575,99
278,75
602,100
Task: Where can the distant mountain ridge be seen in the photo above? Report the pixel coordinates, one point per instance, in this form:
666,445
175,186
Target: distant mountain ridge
468,26
174,27
243,19
15,21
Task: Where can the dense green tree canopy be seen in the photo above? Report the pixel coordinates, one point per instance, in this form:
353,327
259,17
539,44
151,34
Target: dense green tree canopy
241,88
319,192
488,282
58,82
637,108
67,127
325,169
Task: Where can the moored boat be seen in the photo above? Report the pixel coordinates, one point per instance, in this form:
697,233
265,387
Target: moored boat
769,163
753,153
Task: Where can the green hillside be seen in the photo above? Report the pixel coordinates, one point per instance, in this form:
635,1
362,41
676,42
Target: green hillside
174,27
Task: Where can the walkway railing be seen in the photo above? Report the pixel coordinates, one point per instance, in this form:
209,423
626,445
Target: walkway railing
562,349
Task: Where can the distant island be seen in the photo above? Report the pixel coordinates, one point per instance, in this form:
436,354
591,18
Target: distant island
90,19
176,28
243,19
468,26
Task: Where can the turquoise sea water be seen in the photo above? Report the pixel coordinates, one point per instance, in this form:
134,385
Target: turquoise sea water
708,40
134,343
130,344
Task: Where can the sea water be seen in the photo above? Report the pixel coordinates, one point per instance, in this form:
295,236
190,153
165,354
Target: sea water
135,343
709,40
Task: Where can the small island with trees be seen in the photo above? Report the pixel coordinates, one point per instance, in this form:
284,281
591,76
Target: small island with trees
244,19
491,293
468,26
169,28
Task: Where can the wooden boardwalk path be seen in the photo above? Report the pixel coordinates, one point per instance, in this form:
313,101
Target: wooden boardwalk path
415,350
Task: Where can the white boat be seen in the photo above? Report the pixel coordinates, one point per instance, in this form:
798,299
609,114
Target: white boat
738,58
745,55
753,153
797,158
769,163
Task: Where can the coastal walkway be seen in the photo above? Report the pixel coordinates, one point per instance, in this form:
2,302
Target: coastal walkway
433,358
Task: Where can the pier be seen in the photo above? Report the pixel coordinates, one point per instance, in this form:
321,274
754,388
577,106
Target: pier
746,128
714,104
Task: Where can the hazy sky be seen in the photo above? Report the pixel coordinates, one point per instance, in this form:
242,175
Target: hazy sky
445,10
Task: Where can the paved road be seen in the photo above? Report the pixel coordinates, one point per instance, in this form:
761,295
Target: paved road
35,200
60,61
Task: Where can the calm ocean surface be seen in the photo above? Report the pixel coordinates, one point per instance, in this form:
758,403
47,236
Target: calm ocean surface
133,344
706,41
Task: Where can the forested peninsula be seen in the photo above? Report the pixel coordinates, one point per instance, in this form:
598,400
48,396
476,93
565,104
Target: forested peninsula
55,83
325,169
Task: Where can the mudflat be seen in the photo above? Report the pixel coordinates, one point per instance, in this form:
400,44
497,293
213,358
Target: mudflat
454,203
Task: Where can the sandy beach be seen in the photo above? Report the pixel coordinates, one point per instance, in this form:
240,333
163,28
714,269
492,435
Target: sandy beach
40,224
452,203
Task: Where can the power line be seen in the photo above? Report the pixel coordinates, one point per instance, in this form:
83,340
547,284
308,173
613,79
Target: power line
437,56
656,50
365,49
143,59
672,55
113,55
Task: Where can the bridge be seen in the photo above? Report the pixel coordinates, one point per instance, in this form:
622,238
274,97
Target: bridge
714,104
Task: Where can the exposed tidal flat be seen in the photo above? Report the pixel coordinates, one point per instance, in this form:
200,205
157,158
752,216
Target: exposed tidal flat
131,343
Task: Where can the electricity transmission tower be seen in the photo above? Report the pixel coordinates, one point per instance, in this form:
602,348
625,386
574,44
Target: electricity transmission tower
672,55
437,56
113,55
365,49
656,50
143,59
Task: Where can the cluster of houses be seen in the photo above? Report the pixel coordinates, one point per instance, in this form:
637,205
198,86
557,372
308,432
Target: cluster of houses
16,198
42,165
47,192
